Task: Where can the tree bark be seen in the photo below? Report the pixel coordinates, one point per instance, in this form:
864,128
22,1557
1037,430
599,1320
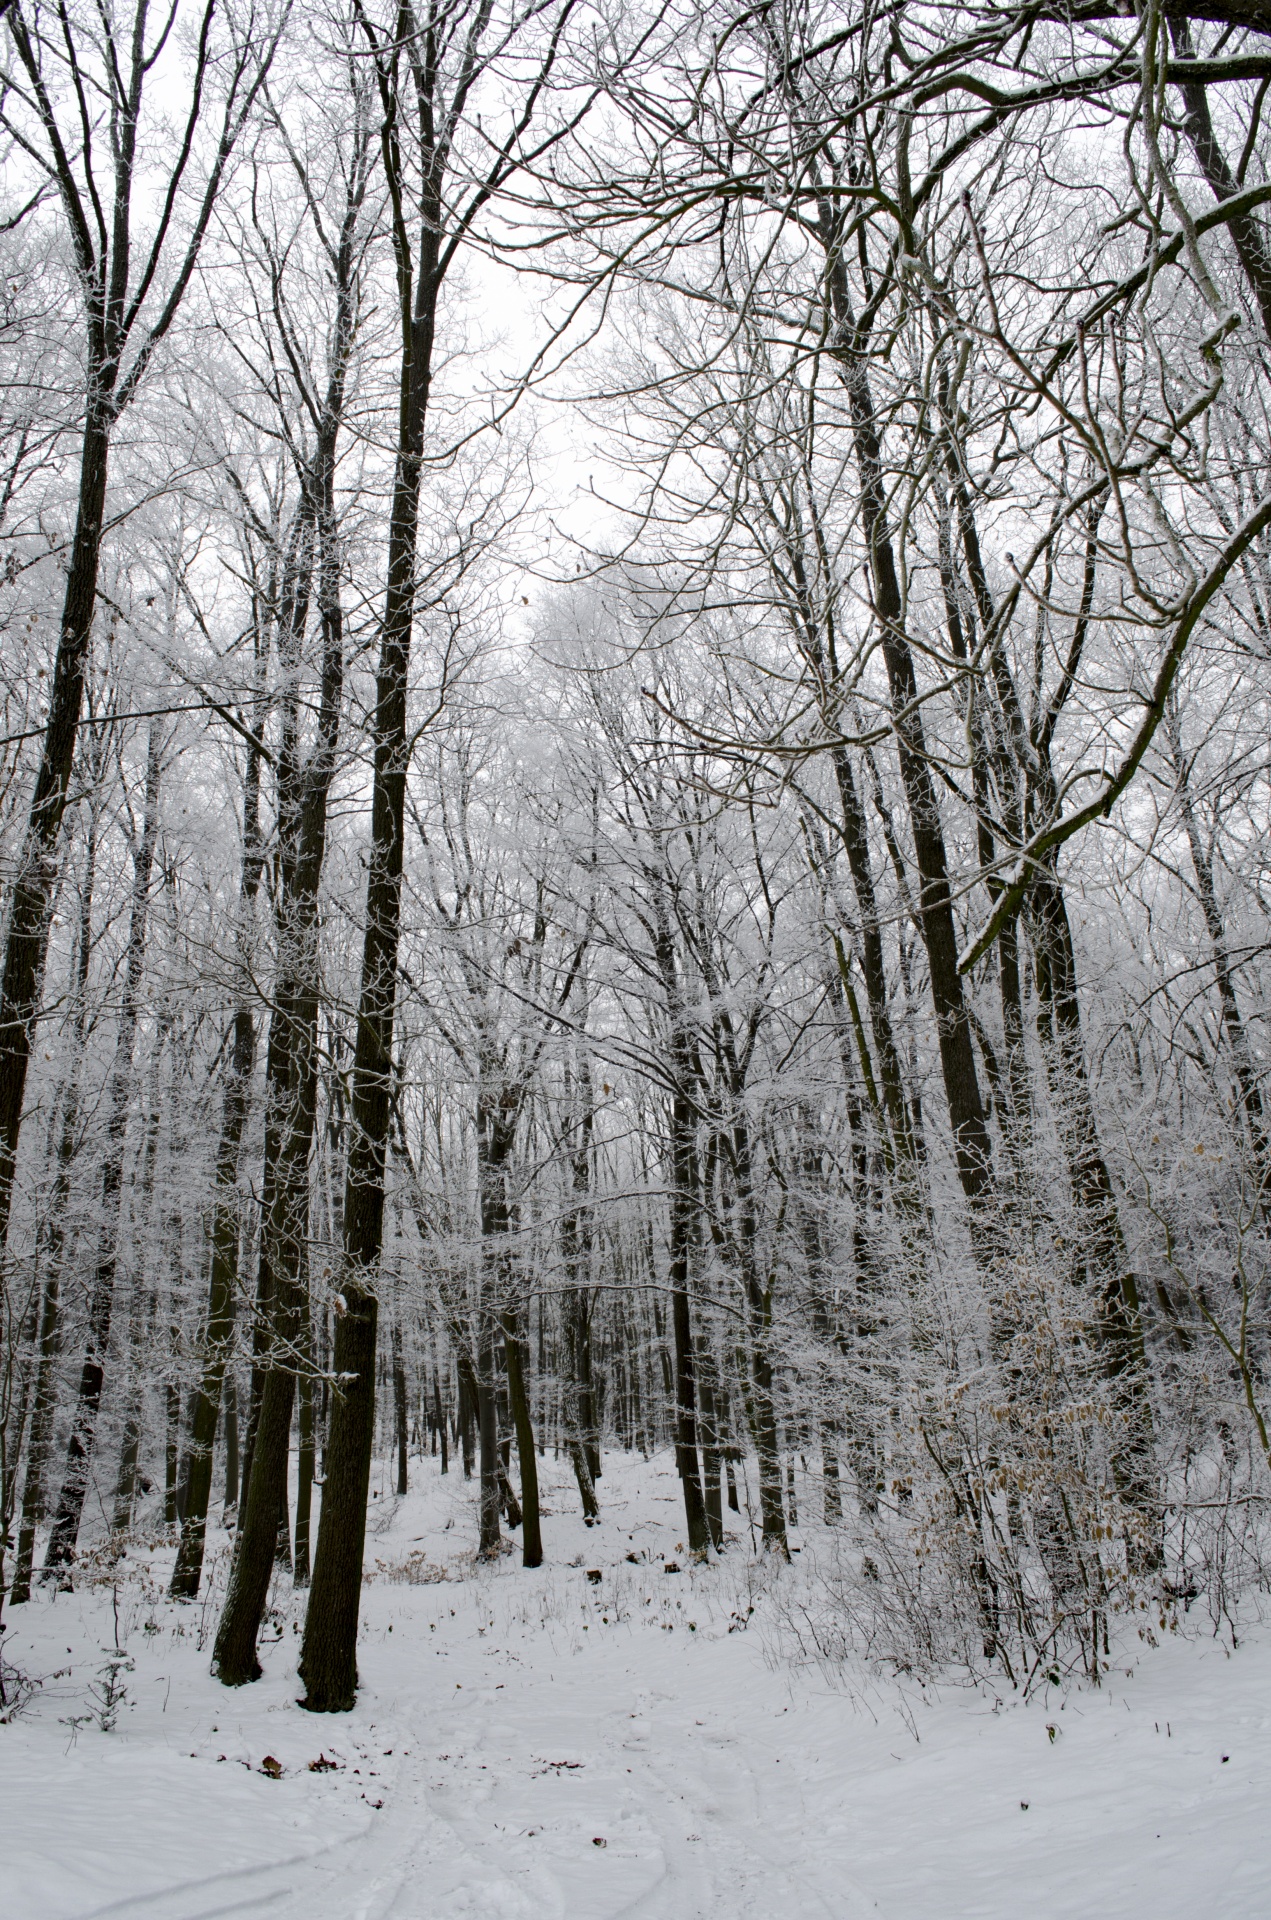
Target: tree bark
1229,1004
400,1427
972,1150
683,1160
26,942
304,786
44,1410
518,1400
305,1460
102,248
581,1436
79,1454
218,1334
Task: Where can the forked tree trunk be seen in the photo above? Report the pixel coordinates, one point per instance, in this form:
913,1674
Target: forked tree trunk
304,786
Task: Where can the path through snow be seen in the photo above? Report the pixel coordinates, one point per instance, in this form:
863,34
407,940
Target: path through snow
510,1721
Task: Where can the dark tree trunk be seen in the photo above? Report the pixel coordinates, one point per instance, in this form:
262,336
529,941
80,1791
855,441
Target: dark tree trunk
26,942
141,1315
1246,229
578,1393
439,1416
284,1284
1120,1327
41,1424
99,221
466,1417
490,1466
683,1184
518,1400
292,1065
171,1453
683,1205
328,1662
935,903
399,1408
741,1238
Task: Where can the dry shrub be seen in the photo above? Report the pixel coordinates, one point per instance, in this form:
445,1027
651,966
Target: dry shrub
416,1570
1001,1538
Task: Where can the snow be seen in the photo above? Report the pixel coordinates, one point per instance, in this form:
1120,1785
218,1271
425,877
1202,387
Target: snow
511,1720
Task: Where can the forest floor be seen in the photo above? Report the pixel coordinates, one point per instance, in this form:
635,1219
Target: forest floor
541,1746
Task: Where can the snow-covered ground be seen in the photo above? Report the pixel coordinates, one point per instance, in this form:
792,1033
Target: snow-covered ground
535,1745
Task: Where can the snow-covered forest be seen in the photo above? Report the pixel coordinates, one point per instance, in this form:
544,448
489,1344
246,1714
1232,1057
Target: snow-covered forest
635,639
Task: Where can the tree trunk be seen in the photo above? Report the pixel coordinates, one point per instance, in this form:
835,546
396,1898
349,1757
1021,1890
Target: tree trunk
466,1414
682,1181
79,1455
935,905
1232,1020
518,1400
439,1416
232,1467
26,942
581,1436
291,1071
401,1434
41,1427
683,1185
141,1314
1119,1327
304,1471
489,1540
328,1662
283,1248
711,1458
218,1334
757,1291
45,1407
1246,229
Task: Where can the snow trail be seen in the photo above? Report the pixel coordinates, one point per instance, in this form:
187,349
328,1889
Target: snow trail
510,1721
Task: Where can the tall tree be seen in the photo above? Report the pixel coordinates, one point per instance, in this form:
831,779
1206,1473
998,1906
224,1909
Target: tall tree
304,778
429,67
77,82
